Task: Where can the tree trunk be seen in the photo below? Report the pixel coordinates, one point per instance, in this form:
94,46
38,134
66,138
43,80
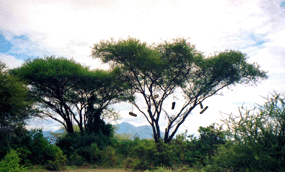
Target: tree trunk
69,127
93,120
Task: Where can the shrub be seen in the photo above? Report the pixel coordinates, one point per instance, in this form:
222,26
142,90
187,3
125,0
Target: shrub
10,163
58,161
24,154
123,147
258,139
34,149
40,152
94,153
109,157
74,158
140,165
15,137
129,162
83,147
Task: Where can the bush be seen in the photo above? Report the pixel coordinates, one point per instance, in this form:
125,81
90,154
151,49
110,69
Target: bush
58,161
10,163
74,158
140,165
145,154
109,157
14,138
94,153
34,149
38,151
128,163
83,147
258,139
123,147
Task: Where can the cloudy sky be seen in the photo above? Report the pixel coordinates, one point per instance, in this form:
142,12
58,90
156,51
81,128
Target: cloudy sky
69,28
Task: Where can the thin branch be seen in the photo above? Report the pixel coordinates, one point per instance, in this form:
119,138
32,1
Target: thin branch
179,113
141,112
49,115
184,117
166,114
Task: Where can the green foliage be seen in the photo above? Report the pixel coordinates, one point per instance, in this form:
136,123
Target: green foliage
210,138
194,152
10,163
58,161
51,81
136,154
140,165
94,153
83,147
15,108
75,159
146,154
15,103
231,67
109,157
34,149
175,65
257,138
41,151
65,88
12,139
186,150
129,163
122,136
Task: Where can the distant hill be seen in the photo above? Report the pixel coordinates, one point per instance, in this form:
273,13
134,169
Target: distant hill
142,132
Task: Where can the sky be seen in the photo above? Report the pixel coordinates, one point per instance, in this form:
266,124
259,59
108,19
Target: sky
69,28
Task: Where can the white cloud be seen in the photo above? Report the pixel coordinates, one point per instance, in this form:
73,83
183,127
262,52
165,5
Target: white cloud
55,26
44,124
10,61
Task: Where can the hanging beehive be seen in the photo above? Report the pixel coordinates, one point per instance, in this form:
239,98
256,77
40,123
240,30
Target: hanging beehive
204,110
133,114
173,105
201,105
155,96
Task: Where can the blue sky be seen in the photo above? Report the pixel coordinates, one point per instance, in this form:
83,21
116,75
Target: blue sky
5,45
69,28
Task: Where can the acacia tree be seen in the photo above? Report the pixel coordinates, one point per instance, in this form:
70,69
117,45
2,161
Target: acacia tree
157,71
75,93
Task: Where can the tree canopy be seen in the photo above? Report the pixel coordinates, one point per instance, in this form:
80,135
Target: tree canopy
15,101
159,70
75,93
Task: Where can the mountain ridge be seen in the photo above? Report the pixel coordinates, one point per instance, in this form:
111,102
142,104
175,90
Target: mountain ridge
124,128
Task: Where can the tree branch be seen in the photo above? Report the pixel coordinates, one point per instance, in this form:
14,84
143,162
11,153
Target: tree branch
141,112
50,116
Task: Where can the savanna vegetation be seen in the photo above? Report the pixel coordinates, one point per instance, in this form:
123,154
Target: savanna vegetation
78,98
